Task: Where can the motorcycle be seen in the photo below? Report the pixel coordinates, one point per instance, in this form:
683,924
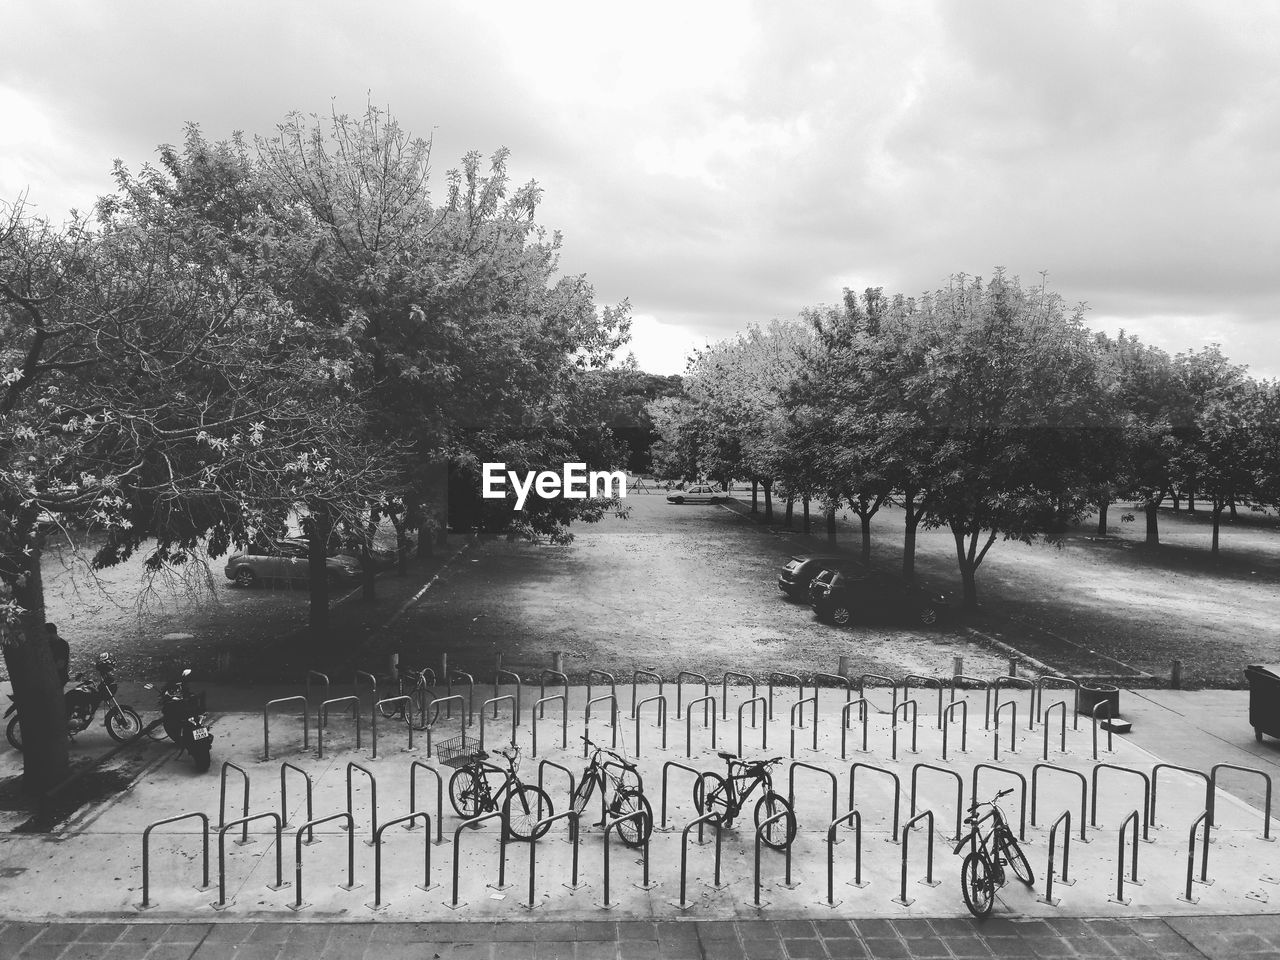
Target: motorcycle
83,700
182,720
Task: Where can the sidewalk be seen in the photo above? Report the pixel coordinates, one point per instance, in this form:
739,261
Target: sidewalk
1194,937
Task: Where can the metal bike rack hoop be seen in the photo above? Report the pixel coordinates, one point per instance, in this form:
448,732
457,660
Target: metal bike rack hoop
324,720
285,767
377,856
945,771
635,677
661,701
707,701
724,693
924,682
1084,793
964,725
928,881
413,797
542,689
266,723
915,725
274,817
564,719
613,712
764,727
897,792
222,797
146,853
406,702
980,684
799,706
856,817
1213,795
706,690
1146,795
1022,796
863,706
515,714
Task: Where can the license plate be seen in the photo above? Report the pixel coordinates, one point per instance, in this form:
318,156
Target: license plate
199,733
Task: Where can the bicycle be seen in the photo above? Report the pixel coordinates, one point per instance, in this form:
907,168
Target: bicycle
626,798
524,805
726,796
414,685
982,872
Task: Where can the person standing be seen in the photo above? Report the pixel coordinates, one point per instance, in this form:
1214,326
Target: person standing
60,650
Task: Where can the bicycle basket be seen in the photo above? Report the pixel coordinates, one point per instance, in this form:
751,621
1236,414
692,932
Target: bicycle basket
458,751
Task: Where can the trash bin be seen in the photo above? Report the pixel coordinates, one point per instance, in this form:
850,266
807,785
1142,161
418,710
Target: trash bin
1092,694
1264,699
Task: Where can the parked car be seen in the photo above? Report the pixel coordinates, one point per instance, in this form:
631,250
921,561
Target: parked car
698,493
799,572
285,560
843,598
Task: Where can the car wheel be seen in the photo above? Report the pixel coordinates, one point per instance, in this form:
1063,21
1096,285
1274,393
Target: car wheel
841,615
245,577
928,615
678,500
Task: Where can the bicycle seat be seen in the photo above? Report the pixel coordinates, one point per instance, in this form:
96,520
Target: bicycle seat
481,754
726,755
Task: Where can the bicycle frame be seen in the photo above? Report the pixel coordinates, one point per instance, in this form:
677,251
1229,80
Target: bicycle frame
487,796
750,771
985,846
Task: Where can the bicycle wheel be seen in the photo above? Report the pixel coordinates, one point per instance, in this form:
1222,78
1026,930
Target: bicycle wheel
1014,856
582,794
634,833
468,791
976,884
780,834
423,695
526,805
711,795
392,711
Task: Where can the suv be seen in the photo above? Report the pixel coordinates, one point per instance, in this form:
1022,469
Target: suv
799,572
841,597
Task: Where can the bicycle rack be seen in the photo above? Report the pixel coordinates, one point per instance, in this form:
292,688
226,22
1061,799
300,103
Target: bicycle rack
700,822
542,690
1022,795
666,767
146,853
661,701
497,698
564,719
897,792
274,817
635,676
1048,897
365,675
613,689
469,701
1155,784
724,694
791,784
915,772
1038,696
266,724
1146,795
310,825
1013,728
406,704
457,855
838,678
1213,795
890,682
947,720
775,676
515,714
573,817
613,711
285,767
928,880
373,796
863,706
1084,792
1120,898
222,797
573,784
448,706
706,691
764,727
707,701
915,714
319,676
638,816
1096,707
1023,684
759,842
857,881
426,884
413,797
924,682
799,705
981,684
1046,716
1203,819
324,720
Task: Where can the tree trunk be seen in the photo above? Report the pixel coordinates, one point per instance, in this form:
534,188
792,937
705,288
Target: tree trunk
1217,522
1191,500
909,538
831,523
368,575
791,506
1234,515
1177,503
402,545
768,501
968,571
755,496
1153,523
1102,517
318,530
806,514
35,679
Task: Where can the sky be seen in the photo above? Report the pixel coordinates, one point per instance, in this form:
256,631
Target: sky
725,164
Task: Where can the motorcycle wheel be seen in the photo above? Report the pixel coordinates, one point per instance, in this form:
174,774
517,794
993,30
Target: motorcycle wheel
157,731
201,757
13,734
123,724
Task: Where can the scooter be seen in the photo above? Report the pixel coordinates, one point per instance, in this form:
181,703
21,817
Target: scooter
182,720
83,700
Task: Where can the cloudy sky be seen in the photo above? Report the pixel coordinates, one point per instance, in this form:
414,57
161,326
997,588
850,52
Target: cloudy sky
721,164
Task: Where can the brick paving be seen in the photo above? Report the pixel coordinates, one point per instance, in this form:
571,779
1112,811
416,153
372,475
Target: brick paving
1238,938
